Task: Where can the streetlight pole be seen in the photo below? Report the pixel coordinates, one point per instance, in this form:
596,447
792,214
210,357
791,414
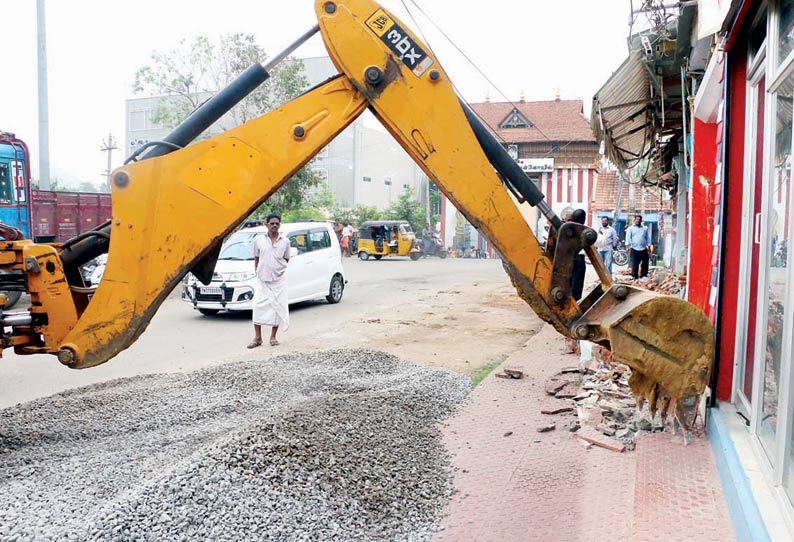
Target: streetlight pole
44,122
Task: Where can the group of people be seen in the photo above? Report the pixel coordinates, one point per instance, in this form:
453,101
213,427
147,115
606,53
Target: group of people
345,234
638,238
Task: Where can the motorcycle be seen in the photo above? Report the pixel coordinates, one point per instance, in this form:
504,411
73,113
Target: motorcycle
435,247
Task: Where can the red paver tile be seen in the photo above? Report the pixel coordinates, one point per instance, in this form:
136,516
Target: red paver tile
548,486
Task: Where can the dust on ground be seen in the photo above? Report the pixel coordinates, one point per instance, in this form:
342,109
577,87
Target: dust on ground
460,327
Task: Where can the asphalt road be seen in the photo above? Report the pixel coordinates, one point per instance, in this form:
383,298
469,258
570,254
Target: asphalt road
180,339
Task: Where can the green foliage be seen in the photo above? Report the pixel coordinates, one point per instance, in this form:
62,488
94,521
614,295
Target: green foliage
408,208
484,370
185,77
356,215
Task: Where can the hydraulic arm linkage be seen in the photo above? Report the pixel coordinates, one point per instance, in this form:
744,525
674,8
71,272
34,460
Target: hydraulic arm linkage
172,208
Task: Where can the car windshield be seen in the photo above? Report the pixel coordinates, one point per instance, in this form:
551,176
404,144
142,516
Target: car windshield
239,246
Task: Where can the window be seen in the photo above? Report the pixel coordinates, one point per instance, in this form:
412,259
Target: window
405,187
142,120
367,179
319,239
6,192
239,247
298,240
323,153
387,181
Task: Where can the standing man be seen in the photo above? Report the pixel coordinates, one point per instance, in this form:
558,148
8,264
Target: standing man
271,304
338,227
610,237
639,239
347,238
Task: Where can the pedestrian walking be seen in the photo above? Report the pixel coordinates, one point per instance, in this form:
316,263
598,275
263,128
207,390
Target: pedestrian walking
271,303
609,239
639,239
347,238
338,227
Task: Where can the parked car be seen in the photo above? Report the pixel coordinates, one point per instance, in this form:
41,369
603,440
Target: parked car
314,270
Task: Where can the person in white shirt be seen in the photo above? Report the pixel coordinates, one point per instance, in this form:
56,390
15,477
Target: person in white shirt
610,241
639,239
271,303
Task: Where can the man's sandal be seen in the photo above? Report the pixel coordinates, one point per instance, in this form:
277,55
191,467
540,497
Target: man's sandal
254,343
273,342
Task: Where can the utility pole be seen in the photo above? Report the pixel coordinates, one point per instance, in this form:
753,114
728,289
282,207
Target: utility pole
44,122
108,146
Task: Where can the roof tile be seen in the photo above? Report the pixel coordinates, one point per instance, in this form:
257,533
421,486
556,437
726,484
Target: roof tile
556,120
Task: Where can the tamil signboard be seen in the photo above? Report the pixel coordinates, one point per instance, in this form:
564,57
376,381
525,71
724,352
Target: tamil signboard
536,165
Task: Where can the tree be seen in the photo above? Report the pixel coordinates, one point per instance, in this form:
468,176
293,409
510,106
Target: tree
185,77
408,208
87,186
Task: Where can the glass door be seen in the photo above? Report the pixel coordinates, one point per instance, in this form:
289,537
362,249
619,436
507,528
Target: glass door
752,252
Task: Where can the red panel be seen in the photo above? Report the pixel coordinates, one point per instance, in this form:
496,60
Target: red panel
43,221
580,181
704,166
732,226
66,212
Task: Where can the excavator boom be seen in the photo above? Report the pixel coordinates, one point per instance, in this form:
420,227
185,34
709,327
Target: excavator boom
171,211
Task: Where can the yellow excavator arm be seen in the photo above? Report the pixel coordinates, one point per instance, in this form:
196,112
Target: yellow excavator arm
172,208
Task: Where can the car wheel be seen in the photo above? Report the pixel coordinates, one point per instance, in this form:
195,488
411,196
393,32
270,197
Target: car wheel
209,312
363,256
336,290
11,299
378,256
416,255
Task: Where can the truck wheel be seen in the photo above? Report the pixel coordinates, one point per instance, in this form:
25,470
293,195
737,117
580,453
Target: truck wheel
363,256
336,290
11,299
209,312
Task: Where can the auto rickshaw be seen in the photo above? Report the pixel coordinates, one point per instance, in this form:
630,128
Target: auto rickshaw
379,238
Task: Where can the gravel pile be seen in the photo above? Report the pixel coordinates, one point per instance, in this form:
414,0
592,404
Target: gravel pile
332,445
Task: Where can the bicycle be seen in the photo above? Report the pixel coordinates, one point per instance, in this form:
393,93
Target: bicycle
620,256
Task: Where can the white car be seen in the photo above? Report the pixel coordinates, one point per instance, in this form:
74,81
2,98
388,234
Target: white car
314,270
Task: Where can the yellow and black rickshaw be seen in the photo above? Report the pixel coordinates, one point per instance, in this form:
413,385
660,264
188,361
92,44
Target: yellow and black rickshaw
379,238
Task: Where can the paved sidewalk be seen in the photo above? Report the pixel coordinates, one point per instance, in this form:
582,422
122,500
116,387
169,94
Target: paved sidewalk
515,484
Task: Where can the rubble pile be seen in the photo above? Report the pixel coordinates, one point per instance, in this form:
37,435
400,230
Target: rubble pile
326,445
598,402
659,280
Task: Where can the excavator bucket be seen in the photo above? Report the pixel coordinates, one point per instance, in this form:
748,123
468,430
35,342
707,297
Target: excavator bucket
667,342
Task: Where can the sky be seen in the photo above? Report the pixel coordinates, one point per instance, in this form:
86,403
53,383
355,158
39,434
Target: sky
532,48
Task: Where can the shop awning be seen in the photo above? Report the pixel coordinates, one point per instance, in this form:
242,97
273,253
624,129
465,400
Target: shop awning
621,115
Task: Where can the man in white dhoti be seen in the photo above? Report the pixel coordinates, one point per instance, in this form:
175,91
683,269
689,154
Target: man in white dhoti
271,306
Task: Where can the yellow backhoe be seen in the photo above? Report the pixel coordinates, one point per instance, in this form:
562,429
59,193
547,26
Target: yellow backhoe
173,203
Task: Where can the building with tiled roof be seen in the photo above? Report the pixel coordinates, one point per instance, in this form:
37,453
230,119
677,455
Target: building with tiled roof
553,142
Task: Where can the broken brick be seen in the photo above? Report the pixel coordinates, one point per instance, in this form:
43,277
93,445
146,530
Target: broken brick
514,373
568,391
561,410
547,428
553,386
588,434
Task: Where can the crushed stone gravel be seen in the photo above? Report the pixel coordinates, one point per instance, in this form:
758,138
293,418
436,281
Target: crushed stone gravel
327,445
